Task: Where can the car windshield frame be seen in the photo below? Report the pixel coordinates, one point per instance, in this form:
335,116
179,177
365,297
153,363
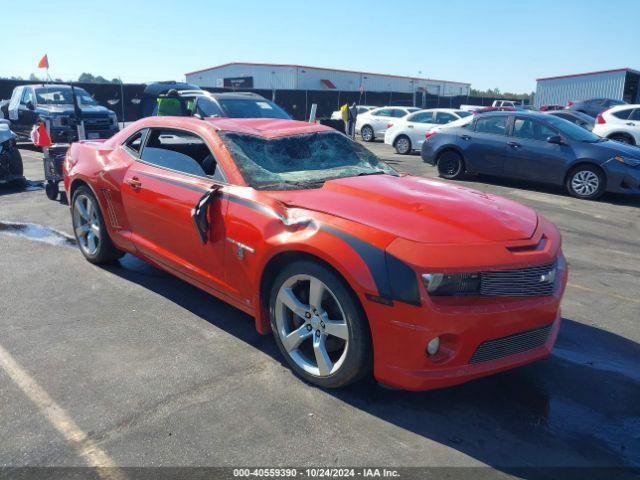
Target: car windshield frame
268,163
571,130
82,96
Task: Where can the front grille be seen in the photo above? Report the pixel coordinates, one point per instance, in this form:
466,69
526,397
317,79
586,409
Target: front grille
95,124
521,282
505,346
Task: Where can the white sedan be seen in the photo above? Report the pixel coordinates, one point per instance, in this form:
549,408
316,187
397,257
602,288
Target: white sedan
408,133
337,115
373,124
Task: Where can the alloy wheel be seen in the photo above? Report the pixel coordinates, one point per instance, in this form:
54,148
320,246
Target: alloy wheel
585,183
403,145
86,224
367,134
311,325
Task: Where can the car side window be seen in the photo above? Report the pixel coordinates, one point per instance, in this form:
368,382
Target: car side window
635,115
531,130
27,96
134,143
397,113
181,151
422,117
442,118
385,112
493,125
623,114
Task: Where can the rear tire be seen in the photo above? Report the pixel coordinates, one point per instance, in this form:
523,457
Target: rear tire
367,134
586,181
618,137
402,145
326,341
90,229
450,165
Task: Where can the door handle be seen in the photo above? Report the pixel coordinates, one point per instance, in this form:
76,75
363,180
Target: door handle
465,137
514,144
409,126
631,124
135,183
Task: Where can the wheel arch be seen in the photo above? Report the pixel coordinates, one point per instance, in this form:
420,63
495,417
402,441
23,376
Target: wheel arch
584,162
399,136
627,135
450,148
270,272
78,182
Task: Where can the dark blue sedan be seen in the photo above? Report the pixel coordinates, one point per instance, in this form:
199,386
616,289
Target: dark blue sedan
536,147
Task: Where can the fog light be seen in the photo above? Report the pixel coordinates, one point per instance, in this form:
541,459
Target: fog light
433,346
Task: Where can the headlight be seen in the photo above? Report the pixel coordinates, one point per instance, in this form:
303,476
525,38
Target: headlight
632,162
452,284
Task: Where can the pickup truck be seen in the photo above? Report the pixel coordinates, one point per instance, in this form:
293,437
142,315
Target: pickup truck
53,104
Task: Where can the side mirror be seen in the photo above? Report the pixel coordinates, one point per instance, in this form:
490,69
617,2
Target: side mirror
30,105
556,139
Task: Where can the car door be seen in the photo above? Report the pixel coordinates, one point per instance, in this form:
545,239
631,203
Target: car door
379,121
26,112
484,144
530,156
160,190
418,124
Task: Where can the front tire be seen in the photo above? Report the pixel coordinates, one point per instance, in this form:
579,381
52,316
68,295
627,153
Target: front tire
586,181
367,134
450,165
90,229
402,145
318,326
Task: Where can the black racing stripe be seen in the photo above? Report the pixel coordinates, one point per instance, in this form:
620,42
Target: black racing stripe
252,204
178,183
372,256
394,279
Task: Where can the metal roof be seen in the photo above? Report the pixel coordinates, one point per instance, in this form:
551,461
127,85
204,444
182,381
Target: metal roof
321,68
615,70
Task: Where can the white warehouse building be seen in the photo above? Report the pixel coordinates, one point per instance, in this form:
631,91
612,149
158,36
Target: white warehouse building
269,76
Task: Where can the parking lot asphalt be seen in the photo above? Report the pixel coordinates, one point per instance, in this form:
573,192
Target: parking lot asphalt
126,365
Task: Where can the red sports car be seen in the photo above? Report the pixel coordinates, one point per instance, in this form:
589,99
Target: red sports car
351,265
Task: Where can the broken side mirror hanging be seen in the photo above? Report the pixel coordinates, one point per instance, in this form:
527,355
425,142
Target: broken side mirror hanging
200,213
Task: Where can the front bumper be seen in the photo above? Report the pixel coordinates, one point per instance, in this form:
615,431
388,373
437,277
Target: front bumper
502,331
622,178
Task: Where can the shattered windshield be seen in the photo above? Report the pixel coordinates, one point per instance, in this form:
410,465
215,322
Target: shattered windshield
300,161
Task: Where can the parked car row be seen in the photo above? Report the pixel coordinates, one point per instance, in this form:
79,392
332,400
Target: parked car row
536,147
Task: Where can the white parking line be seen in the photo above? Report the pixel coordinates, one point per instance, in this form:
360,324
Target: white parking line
60,419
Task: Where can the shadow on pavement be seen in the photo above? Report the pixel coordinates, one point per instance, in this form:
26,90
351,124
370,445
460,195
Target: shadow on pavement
580,408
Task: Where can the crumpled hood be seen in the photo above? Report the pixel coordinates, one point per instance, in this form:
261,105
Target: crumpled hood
418,209
68,109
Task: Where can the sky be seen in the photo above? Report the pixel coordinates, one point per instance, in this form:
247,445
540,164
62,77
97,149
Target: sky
489,43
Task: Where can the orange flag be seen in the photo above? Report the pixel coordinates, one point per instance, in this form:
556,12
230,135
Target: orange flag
44,62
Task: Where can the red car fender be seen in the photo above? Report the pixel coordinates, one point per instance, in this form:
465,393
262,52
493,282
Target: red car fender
326,246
